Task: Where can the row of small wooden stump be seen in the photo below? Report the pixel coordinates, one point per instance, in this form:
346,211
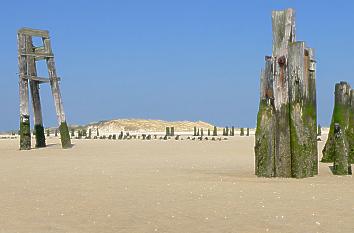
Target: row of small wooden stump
225,132
153,137
169,133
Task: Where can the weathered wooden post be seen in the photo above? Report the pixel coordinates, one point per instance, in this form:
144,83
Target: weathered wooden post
195,131
168,131
172,131
341,165
48,132
79,134
90,134
201,132
232,132
350,130
343,114
208,132
54,83
36,101
248,132
242,132
286,144
27,57
25,129
215,131
84,132
97,132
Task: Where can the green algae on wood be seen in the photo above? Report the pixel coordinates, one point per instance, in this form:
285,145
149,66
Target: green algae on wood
64,135
350,129
25,133
342,114
341,165
264,146
40,136
302,99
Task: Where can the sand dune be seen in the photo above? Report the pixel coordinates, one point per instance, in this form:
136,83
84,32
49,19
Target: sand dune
141,125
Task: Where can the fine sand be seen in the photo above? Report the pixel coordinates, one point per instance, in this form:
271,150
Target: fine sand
163,186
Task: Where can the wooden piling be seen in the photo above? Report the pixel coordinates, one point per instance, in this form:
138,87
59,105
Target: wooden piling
215,131
286,144
341,165
25,130
36,101
265,134
303,124
350,130
54,83
343,114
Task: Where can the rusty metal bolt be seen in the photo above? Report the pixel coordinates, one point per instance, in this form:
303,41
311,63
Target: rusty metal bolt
281,61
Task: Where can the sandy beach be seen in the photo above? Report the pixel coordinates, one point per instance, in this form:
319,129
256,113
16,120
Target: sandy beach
163,186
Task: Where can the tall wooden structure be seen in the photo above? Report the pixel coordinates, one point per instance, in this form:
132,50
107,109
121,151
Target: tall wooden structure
286,143
28,55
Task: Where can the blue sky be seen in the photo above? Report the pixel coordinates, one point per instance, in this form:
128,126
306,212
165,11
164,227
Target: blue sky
170,60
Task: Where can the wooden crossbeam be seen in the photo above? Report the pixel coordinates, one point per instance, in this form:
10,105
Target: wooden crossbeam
39,79
34,32
38,54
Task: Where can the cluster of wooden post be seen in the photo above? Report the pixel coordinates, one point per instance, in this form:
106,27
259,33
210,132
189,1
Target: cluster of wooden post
339,147
200,131
28,55
286,142
228,132
170,131
225,131
83,133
